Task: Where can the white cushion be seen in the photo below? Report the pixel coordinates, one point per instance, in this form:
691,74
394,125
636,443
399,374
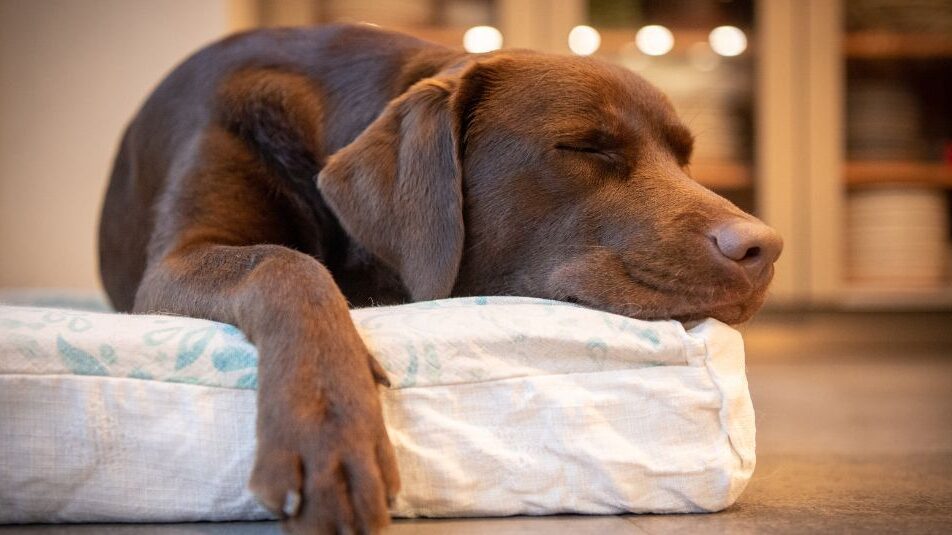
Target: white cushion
499,406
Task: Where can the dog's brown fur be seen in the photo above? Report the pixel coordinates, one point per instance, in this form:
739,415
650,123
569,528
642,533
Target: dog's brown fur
279,175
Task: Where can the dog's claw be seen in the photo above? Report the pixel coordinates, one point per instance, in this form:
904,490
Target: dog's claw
292,503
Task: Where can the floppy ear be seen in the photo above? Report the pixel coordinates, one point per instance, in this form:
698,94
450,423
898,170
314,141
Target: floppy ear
397,188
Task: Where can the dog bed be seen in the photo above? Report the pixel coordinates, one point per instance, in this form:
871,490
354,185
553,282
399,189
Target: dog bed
499,406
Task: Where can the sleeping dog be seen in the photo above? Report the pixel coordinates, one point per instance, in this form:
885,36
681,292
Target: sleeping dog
277,177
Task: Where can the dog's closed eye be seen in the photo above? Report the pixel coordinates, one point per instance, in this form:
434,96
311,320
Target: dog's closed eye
590,150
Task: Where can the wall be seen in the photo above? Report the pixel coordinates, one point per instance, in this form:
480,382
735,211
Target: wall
72,73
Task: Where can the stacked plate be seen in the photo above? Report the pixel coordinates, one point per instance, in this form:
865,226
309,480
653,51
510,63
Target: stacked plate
900,15
897,236
883,122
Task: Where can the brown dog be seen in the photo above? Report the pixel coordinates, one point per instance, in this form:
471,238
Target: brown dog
277,176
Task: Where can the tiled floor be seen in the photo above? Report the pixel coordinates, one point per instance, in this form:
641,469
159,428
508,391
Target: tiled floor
854,418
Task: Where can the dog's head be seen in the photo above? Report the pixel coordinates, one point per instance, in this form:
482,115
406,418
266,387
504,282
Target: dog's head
548,176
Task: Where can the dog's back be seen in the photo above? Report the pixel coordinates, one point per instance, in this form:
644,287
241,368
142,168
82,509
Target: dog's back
353,71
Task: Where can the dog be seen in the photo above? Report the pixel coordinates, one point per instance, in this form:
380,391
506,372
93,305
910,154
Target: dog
277,177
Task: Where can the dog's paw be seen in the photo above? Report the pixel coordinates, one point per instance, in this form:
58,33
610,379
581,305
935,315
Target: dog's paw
327,466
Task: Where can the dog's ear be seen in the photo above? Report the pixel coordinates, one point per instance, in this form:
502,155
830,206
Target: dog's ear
397,188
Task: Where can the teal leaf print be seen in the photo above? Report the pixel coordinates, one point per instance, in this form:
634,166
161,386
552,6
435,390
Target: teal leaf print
185,380
231,358
161,357
650,335
597,349
26,346
230,331
413,366
79,324
432,360
160,336
249,381
140,374
53,317
107,354
627,325
79,361
192,346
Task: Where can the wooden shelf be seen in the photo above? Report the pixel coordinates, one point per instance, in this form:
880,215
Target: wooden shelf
450,36
614,39
879,173
891,45
722,175
869,297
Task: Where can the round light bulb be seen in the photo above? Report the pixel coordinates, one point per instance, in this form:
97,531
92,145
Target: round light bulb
584,40
479,39
727,40
654,40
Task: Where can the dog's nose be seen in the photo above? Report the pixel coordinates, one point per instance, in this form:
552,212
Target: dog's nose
750,243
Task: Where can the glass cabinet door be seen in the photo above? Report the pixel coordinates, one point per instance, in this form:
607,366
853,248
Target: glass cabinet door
898,149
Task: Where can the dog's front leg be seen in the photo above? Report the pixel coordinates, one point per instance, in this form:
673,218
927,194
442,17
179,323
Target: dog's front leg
324,462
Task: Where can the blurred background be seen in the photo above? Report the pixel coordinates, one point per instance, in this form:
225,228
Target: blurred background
830,119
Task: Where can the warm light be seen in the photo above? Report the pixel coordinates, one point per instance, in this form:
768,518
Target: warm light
632,58
654,40
702,57
727,40
584,40
479,39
